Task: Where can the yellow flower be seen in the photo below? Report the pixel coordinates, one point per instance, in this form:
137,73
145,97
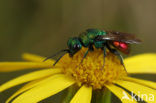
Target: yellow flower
88,76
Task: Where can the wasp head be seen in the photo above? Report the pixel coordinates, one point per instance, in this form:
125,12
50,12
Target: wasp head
74,45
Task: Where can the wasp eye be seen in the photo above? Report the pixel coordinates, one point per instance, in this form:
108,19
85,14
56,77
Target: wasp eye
76,46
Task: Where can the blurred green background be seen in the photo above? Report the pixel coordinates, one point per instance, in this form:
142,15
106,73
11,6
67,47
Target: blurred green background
44,26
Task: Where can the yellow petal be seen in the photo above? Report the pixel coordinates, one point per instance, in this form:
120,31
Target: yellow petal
13,66
83,95
36,58
144,63
141,91
29,77
119,92
142,82
31,85
24,88
45,90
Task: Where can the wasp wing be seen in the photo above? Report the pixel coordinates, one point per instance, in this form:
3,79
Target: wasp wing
119,36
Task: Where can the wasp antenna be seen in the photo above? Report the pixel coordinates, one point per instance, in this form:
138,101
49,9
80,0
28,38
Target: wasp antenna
58,60
65,50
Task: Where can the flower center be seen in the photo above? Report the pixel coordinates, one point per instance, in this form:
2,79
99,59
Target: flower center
92,71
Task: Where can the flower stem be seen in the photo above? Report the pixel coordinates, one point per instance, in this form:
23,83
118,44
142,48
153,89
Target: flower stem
106,97
70,93
102,96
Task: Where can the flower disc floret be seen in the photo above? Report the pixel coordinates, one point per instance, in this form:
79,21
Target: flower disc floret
91,71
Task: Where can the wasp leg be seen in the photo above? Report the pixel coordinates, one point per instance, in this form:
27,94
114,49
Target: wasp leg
114,51
84,56
89,49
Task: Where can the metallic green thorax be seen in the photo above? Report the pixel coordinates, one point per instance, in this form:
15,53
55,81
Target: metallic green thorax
89,36
85,39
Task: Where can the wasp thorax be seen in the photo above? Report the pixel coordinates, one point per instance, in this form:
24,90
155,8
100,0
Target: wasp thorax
91,71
